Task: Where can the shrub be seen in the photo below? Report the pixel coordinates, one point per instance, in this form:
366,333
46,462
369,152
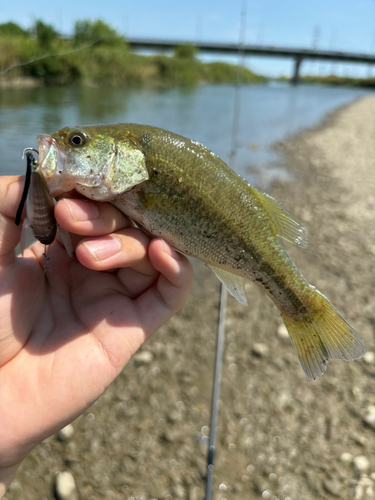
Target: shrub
12,29
45,34
186,51
87,31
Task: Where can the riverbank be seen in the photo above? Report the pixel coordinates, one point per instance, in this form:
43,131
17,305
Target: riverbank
280,435
20,82
334,81
339,81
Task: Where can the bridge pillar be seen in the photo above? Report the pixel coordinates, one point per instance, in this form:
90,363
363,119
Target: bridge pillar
297,64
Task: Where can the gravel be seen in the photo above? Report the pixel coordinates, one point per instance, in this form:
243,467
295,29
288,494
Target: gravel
362,464
280,436
65,487
369,418
66,433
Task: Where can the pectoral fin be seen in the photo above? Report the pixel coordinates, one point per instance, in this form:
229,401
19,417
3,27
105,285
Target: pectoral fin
286,226
233,283
65,238
25,227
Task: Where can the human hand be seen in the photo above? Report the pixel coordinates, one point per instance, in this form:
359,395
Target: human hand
67,333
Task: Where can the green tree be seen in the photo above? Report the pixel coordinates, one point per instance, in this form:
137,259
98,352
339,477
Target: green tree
185,51
87,31
45,33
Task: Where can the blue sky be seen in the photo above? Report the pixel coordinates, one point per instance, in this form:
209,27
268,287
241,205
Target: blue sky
338,24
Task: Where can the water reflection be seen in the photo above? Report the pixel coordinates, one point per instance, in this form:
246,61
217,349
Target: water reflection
98,105
268,114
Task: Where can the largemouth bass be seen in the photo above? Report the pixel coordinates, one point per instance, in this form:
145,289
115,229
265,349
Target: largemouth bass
176,189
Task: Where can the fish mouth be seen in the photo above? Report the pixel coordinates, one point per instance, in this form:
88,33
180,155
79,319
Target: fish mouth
52,166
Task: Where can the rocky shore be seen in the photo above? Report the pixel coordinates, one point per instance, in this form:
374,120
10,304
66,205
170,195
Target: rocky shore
21,82
280,436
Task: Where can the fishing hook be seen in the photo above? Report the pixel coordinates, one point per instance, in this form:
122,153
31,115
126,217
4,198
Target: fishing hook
29,149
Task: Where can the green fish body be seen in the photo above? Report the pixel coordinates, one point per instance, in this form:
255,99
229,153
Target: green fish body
176,189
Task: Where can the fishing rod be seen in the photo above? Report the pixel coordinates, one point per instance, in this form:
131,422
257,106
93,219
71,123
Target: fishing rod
216,390
223,291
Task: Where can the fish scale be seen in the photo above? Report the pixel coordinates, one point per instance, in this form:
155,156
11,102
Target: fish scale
177,189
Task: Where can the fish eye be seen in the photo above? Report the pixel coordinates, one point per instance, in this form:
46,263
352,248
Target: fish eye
77,139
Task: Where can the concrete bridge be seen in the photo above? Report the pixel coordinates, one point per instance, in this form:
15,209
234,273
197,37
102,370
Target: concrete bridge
298,55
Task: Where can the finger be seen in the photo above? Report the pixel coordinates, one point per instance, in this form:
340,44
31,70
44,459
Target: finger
10,195
125,248
171,291
135,283
89,218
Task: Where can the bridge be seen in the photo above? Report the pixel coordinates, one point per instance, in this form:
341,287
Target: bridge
298,55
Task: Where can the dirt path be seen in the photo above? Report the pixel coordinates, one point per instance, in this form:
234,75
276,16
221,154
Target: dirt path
280,435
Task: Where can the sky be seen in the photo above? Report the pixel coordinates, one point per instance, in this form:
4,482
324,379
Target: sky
330,24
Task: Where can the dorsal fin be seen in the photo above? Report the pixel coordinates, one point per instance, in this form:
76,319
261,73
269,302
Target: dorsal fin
286,226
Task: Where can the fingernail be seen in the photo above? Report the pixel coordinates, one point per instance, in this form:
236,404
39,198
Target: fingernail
168,250
104,248
83,210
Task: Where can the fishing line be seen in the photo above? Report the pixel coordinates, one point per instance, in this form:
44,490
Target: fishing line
45,269
54,54
223,290
30,162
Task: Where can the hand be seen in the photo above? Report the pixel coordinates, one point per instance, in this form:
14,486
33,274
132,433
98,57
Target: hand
66,333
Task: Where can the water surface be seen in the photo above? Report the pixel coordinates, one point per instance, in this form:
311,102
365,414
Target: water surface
268,113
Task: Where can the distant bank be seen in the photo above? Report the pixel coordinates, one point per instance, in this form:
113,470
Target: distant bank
97,55
334,80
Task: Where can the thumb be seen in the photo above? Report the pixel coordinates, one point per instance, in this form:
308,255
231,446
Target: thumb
11,188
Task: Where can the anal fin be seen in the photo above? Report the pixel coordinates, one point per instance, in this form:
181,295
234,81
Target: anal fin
233,283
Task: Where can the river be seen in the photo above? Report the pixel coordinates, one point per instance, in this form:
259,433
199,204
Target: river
268,113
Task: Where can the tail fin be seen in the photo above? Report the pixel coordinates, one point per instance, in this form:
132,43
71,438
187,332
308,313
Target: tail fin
323,336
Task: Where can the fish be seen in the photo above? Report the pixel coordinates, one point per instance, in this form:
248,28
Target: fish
174,188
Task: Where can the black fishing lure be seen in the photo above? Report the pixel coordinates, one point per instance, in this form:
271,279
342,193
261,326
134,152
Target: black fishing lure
39,203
